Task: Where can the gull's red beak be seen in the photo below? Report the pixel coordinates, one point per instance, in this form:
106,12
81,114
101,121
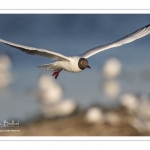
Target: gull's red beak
88,67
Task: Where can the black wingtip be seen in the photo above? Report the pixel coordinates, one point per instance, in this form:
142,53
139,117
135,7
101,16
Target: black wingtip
147,25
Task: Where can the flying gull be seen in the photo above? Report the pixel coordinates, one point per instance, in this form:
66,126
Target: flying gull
80,62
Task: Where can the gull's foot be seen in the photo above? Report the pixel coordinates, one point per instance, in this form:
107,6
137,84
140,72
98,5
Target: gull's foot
56,73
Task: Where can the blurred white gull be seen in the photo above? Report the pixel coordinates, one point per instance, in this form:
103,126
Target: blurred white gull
5,62
144,107
79,62
111,88
112,68
139,109
50,95
50,90
63,108
130,102
138,124
94,115
6,76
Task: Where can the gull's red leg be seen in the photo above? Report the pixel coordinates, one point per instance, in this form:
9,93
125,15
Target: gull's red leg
56,73
56,76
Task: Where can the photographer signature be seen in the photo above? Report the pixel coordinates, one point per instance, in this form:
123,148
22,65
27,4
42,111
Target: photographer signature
9,124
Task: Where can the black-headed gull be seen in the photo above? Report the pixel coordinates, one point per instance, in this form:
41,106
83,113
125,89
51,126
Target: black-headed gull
76,63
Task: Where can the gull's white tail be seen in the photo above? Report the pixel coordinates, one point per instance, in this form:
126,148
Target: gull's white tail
49,67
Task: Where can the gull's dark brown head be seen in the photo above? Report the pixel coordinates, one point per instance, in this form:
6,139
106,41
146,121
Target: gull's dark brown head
83,63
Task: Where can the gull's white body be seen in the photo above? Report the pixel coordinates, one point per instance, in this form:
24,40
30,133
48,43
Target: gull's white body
70,64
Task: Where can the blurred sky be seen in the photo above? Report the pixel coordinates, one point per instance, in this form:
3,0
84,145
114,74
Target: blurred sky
69,34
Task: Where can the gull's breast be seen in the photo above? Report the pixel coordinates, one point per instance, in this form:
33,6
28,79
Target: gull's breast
70,66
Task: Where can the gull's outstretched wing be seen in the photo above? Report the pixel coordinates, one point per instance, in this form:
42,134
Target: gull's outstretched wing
127,39
37,51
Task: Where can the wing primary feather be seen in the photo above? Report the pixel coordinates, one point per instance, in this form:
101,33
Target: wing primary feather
37,51
127,39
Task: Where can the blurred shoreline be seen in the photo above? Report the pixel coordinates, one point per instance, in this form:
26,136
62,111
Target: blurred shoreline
75,125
